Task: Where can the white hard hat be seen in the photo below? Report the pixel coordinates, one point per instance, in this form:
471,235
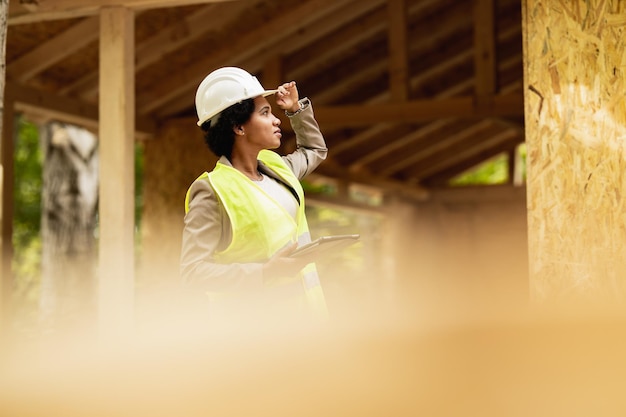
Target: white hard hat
224,87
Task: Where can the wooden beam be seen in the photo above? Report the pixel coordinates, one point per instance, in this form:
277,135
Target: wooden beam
371,25
398,143
362,137
117,196
210,18
511,164
289,49
332,169
334,25
242,47
371,21
398,50
442,177
54,107
35,11
418,111
463,152
484,48
441,146
54,50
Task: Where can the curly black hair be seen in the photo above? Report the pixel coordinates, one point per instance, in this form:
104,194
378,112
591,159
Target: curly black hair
220,138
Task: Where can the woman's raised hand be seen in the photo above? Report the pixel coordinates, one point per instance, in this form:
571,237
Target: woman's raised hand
287,97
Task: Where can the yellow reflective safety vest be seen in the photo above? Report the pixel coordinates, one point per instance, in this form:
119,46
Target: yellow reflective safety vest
261,227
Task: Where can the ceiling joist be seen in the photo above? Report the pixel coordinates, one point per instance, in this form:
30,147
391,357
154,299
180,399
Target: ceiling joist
54,107
29,11
413,74
420,111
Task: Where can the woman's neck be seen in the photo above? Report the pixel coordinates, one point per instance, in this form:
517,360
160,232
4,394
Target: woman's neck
247,164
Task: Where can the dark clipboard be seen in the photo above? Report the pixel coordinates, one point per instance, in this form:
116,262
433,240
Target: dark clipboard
325,245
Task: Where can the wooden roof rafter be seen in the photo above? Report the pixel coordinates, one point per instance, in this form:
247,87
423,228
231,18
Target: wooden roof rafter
461,150
441,177
355,58
211,17
244,46
28,11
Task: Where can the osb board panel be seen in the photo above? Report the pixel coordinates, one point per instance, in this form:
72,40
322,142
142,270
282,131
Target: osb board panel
575,65
175,158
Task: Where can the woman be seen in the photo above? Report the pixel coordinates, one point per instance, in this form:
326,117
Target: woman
245,217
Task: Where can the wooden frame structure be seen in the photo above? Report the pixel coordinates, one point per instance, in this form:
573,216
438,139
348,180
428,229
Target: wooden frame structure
409,93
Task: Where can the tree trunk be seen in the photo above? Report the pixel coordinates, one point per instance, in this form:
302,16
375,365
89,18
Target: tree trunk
69,206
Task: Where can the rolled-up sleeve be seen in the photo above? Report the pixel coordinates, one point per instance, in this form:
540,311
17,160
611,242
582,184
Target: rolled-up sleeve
310,144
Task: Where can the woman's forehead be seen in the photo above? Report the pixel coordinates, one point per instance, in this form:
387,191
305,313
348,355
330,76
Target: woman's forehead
260,102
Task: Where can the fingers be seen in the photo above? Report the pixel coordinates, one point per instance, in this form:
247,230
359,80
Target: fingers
286,88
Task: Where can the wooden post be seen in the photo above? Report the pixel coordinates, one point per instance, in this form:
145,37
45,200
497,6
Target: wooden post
484,49
116,205
575,110
398,50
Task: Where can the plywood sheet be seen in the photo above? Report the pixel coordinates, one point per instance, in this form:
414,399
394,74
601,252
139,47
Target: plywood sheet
575,67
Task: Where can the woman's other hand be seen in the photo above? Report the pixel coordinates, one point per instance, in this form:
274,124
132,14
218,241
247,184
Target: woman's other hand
283,265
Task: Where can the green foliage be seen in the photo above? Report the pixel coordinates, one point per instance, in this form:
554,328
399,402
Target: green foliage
28,182
26,263
139,163
27,244
311,188
493,171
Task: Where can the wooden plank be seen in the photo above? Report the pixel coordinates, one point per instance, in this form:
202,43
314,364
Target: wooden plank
361,137
463,151
397,143
484,48
398,50
418,111
289,49
54,50
511,161
442,177
210,18
372,23
55,107
332,169
414,158
29,12
116,202
369,27
575,77
241,48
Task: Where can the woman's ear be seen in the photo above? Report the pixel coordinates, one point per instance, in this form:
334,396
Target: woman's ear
238,130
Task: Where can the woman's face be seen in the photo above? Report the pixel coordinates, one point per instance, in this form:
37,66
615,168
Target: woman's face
263,128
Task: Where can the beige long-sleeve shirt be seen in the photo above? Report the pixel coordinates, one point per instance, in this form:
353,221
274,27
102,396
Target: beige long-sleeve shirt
207,227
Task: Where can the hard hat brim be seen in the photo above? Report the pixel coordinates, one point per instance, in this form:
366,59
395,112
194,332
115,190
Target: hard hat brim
263,94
